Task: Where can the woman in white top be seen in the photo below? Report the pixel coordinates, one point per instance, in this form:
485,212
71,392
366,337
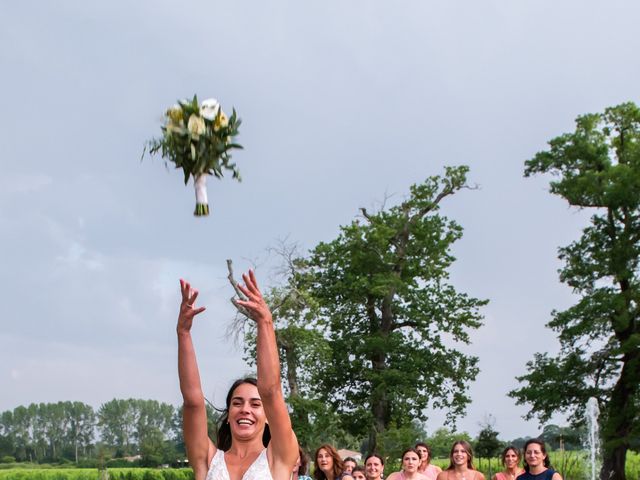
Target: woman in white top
250,405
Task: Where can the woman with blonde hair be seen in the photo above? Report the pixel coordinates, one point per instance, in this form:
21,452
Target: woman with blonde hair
461,464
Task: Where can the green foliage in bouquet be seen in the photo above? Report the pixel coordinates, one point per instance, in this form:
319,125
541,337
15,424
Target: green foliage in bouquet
198,139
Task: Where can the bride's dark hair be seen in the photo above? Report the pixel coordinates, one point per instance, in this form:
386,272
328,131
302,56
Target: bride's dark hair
223,442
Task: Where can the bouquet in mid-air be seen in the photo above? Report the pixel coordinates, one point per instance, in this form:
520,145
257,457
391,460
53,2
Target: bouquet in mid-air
198,139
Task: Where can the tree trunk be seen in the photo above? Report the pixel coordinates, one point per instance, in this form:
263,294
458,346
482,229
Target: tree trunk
619,420
379,405
300,418
613,464
620,411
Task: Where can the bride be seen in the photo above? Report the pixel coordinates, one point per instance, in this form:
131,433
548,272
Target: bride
255,440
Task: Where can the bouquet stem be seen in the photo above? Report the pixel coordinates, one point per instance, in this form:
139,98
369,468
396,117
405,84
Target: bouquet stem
202,203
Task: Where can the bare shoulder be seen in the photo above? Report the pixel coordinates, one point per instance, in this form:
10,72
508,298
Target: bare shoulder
478,476
556,476
393,476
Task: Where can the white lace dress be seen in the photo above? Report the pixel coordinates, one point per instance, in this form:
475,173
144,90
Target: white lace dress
259,469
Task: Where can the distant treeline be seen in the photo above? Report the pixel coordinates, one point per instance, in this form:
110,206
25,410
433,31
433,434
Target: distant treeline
74,431
151,433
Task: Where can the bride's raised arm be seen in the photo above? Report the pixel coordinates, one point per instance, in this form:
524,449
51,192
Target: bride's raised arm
283,448
199,447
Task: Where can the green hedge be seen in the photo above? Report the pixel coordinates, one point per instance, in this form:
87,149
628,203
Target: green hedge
49,474
93,474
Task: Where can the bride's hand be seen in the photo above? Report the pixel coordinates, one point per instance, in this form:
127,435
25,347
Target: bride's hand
187,308
255,305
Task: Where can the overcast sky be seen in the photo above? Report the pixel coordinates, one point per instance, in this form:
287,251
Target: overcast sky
343,102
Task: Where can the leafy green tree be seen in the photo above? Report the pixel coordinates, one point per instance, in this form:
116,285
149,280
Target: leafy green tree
390,316
82,424
487,444
53,418
596,168
116,419
21,424
442,440
393,441
154,420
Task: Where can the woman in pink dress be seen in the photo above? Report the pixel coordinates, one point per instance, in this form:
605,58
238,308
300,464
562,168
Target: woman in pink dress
461,464
426,468
410,463
511,461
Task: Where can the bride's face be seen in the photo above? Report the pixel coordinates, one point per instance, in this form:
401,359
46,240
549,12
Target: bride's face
246,414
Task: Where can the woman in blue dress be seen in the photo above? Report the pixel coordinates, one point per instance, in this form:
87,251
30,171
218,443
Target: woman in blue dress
536,462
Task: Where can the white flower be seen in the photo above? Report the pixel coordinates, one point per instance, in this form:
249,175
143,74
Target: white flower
209,108
196,125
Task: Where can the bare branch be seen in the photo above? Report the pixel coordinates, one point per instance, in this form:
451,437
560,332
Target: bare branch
365,214
288,251
239,293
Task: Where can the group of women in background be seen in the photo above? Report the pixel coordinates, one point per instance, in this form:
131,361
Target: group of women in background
416,465
255,438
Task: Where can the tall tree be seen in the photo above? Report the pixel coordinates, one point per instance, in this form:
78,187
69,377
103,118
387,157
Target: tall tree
117,421
154,425
487,444
597,167
390,315
55,422
82,424
22,423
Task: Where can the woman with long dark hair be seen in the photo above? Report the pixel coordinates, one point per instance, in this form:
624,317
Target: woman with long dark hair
461,464
426,467
246,447
537,465
511,462
328,464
